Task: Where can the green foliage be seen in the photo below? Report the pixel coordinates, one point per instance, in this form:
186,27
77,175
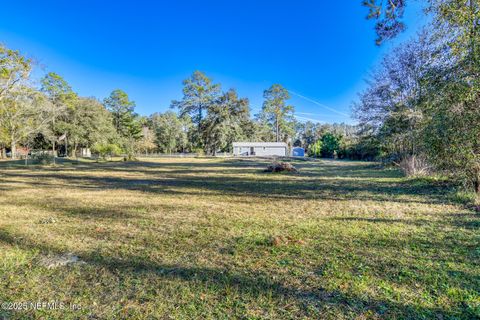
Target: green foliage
62,103
219,118
25,113
14,70
122,110
199,95
389,16
127,123
225,123
364,147
330,145
124,118
106,150
315,149
425,99
147,143
19,103
57,89
90,124
170,131
277,114
200,152
44,158
452,134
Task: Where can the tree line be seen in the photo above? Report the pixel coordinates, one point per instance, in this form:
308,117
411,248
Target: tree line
206,119
422,104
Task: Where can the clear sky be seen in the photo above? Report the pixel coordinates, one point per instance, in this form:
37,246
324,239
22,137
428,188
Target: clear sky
320,50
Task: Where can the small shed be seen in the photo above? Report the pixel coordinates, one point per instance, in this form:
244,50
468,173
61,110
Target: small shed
260,149
298,152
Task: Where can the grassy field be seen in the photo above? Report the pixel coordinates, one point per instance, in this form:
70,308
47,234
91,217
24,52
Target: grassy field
218,239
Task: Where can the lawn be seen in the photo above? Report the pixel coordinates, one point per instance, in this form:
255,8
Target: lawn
219,238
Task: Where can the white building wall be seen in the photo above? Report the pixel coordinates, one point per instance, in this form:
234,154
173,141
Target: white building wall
270,151
262,150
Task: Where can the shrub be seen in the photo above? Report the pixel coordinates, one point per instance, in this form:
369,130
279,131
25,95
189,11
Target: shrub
315,149
43,158
200,152
106,150
414,165
130,157
330,145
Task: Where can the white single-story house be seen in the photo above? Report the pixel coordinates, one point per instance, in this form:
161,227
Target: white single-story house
260,149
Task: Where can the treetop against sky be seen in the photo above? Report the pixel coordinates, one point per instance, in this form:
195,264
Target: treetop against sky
321,51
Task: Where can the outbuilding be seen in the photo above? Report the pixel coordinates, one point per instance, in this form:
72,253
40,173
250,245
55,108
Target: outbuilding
260,149
298,152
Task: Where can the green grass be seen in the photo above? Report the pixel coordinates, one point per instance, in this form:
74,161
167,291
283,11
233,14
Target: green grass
218,239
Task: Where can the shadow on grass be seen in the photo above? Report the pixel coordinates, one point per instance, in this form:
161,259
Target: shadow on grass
250,285
347,181
458,220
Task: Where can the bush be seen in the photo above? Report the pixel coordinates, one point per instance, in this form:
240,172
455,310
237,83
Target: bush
43,158
106,150
200,152
414,166
130,157
330,145
315,149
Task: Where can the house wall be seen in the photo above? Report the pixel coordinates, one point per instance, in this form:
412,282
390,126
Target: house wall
270,151
260,151
241,151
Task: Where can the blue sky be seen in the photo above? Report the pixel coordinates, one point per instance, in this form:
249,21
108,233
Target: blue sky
320,50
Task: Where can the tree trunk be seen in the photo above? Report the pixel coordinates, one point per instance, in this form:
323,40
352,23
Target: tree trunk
477,183
53,150
75,146
14,149
3,153
276,130
66,146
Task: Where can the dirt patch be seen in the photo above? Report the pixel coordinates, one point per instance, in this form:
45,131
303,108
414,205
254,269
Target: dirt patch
56,261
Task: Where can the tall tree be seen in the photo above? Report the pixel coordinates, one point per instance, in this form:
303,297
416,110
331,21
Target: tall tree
62,100
14,73
93,124
125,120
451,119
392,104
14,70
24,113
122,109
199,94
277,113
388,16
224,122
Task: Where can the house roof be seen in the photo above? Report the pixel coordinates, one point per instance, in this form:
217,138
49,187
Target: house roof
259,144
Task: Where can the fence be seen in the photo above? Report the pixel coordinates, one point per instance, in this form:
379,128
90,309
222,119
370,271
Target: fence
180,155
167,155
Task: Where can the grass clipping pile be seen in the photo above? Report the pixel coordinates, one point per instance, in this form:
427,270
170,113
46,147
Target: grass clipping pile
281,167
